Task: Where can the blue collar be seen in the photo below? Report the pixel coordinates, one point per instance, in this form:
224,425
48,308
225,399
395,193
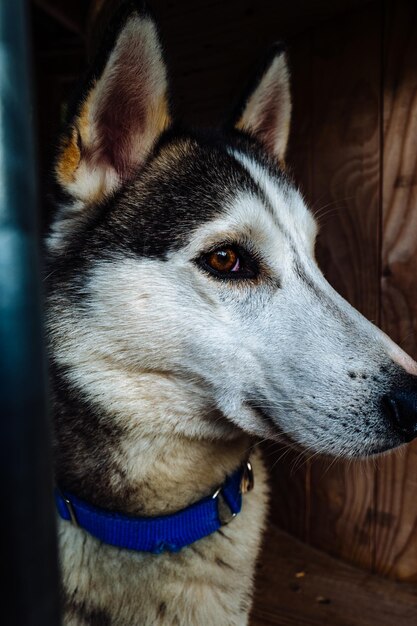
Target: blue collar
165,533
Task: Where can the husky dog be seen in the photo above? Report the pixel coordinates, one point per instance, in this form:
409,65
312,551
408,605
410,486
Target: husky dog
187,319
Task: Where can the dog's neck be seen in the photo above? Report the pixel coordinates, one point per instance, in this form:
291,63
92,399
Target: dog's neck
157,451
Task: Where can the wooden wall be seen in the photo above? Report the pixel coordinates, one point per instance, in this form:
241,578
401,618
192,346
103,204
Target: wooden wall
354,153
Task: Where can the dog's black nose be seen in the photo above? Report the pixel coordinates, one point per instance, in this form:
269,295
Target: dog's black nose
401,406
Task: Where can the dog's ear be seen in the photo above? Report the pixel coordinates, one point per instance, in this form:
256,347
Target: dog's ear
121,111
266,111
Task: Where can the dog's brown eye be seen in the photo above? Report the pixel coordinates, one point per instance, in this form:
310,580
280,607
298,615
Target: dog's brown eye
229,262
223,260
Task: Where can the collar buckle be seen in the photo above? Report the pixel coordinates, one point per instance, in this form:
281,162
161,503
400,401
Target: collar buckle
248,479
247,483
224,511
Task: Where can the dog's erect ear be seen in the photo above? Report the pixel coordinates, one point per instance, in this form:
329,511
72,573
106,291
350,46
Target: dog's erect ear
266,111
121,111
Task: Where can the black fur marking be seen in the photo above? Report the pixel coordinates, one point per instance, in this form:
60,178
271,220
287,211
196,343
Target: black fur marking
253,404
91,616
196,550
162,609
302,274
222,563
86,443
189,179
251,146
223,534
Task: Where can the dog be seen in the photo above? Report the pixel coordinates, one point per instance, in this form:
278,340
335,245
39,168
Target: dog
187,320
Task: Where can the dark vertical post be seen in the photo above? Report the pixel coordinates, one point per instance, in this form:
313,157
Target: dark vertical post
29,579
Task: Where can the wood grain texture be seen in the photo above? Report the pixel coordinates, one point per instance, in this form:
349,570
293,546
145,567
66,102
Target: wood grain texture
345,182
396,487
297,585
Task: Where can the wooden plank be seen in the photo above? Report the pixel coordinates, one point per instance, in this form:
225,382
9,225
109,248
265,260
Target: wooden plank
396,506
297,585
346,164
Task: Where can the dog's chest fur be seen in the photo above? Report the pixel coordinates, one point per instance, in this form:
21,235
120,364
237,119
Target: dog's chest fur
209,582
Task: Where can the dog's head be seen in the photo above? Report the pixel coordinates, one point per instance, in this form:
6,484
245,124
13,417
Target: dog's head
191,256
